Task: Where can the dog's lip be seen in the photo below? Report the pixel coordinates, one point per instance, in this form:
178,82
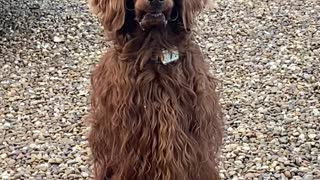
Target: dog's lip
149,19
154,15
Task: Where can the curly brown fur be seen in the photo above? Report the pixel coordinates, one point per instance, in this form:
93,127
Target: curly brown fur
151,121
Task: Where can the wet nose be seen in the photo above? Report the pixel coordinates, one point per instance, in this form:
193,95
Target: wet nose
156,3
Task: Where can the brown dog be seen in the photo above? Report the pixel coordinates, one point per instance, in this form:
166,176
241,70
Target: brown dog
155,113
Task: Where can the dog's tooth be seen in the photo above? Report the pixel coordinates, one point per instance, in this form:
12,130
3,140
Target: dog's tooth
156,15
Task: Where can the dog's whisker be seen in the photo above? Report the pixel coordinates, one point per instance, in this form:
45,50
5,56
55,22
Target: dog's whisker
165,23
176,18
141,26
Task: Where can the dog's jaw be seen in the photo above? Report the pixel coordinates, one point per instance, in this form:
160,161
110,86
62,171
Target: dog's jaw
152,20
150,17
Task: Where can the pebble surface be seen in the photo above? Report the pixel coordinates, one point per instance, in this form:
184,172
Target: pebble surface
266,54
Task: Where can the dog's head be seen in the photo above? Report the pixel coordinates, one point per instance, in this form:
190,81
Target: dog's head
119,14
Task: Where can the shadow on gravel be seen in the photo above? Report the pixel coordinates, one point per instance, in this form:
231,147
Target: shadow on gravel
19,16
22,17
46,29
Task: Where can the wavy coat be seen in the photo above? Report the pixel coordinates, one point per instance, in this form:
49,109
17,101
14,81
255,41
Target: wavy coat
151,121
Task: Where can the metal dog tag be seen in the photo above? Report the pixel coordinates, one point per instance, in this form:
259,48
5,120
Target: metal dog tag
169,57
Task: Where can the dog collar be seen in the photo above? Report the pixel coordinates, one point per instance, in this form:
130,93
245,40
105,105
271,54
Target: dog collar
167,56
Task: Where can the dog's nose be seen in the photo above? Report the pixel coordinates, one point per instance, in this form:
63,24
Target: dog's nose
156,3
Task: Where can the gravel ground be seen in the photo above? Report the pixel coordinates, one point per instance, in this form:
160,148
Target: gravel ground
265,52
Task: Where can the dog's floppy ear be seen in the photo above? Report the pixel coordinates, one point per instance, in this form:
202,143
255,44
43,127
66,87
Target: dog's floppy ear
110,12
189,9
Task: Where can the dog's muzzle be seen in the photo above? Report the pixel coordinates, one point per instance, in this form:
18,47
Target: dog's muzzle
151,20
154,15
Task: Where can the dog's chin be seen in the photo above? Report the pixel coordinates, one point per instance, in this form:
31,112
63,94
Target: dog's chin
153,21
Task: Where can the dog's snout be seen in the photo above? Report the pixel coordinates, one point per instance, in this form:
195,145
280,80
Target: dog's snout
156,3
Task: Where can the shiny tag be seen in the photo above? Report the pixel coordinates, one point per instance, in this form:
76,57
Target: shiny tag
169,57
